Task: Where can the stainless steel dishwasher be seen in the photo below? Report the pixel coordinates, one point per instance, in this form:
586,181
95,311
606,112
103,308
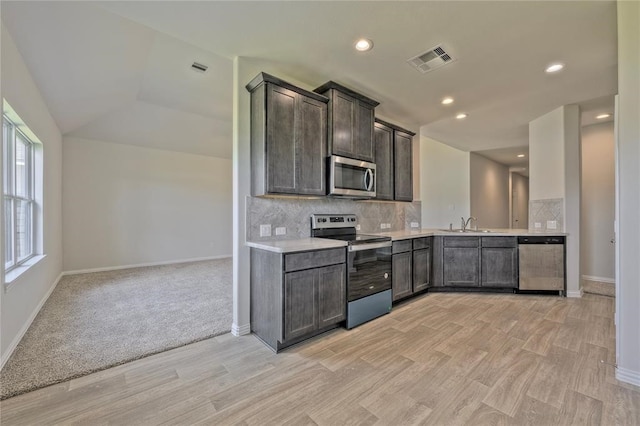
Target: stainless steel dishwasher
541,263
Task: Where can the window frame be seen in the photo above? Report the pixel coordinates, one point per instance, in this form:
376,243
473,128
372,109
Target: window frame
12,135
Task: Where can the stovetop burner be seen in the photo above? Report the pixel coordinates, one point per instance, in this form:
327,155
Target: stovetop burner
357,238
341,227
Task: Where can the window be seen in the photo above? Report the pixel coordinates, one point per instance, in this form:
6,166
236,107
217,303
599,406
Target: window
19,195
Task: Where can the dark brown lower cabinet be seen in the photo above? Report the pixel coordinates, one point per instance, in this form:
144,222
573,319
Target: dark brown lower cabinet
461,261
421,269
401,283
296,296
499,267
499,262
300,303
466,261
332,291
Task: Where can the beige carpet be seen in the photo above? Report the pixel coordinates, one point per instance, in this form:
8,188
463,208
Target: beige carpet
95,321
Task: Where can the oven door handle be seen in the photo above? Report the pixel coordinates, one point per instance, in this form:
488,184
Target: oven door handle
360,247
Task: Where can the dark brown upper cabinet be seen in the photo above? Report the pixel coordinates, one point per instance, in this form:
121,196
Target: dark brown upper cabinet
350,122
288,138
394,162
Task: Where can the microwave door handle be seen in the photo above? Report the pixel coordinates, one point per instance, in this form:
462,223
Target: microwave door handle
368,179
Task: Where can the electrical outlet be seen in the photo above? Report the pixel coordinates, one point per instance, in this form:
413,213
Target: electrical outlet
552,224
357,227
383,226
388,226
537,225
415,225
265,230
281,230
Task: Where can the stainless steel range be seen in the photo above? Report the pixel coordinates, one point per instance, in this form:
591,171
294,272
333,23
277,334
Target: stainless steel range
368,265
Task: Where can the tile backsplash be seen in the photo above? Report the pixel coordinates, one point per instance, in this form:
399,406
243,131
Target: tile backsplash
295,213
544,211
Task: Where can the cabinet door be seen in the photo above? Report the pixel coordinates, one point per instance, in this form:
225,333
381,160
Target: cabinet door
300,303
401,279
461,266
499,267
403,167
363,144
281,143
343,116
311,143
383,136
421,269
332,295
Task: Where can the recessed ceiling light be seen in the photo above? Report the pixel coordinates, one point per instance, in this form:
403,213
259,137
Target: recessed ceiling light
461,116
554,68
601,116
363,45
448,100
520,155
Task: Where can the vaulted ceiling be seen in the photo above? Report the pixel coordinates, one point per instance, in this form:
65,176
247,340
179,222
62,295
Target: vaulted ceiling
120,71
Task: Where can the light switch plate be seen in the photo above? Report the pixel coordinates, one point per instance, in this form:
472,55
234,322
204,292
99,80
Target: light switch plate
537,225
265,230
281,230
552,224
415,225
357,227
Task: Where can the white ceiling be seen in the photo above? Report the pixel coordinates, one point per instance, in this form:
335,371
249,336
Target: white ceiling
100,63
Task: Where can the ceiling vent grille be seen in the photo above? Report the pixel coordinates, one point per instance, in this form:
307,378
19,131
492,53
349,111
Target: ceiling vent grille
196,66
430,60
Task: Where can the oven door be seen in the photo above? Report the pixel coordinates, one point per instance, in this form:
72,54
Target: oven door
351,178
369,268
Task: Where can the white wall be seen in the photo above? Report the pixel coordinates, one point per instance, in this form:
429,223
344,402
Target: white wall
546,156
520,205
128,205
554,173
444,184
22,300
489,186
628,193
597,209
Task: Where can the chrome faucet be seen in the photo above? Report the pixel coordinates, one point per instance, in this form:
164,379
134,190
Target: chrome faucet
466,223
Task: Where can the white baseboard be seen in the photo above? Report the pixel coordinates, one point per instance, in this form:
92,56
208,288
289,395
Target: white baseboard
240,330
142,265
599,279
574,293
628,376
12,347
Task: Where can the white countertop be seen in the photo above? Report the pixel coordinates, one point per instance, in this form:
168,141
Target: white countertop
403,235
307,244
302,244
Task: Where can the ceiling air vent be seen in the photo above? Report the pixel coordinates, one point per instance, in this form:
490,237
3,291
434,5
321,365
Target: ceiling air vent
430,60
196,66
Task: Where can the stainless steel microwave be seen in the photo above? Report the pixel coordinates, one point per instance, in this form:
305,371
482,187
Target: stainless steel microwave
351,178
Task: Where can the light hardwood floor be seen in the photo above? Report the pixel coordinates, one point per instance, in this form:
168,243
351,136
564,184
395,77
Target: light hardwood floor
444,358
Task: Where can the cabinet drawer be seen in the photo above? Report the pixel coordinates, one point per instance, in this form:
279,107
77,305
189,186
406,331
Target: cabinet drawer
401,246
421,243
499,241
461,242
313,259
